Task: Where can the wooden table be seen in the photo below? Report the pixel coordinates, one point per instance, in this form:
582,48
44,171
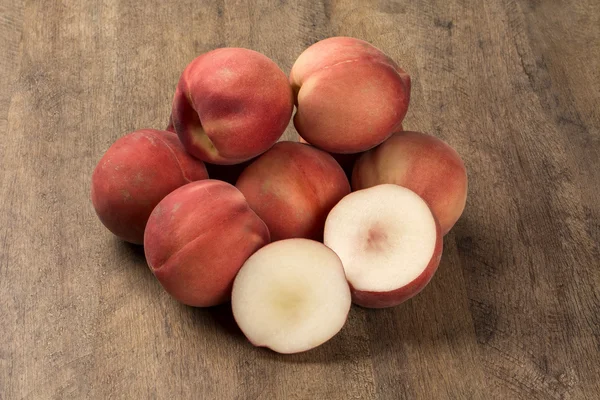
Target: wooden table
514,310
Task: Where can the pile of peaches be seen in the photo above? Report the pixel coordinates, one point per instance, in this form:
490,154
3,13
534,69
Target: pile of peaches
290,232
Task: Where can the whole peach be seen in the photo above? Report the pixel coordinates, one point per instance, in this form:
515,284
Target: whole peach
134,174
292,187
198,237
350,95
230,105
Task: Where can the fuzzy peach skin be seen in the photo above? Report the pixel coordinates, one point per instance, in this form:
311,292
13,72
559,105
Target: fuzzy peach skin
350,96
198,237
420,162
134,174
230,105
292,187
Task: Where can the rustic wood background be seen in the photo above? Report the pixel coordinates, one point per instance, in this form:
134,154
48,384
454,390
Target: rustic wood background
514,311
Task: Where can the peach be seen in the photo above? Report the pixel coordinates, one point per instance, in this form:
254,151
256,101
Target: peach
420,162
291,296
350,95
292,187
230,105
134,174
198,237
389,241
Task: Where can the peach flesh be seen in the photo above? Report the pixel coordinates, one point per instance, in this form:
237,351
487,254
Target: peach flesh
291,296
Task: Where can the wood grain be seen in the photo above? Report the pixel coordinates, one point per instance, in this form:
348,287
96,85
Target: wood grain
513,85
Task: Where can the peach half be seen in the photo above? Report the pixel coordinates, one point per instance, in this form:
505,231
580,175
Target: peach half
389,242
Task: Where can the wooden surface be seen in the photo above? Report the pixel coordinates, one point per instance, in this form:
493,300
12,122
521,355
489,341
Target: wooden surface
514,310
